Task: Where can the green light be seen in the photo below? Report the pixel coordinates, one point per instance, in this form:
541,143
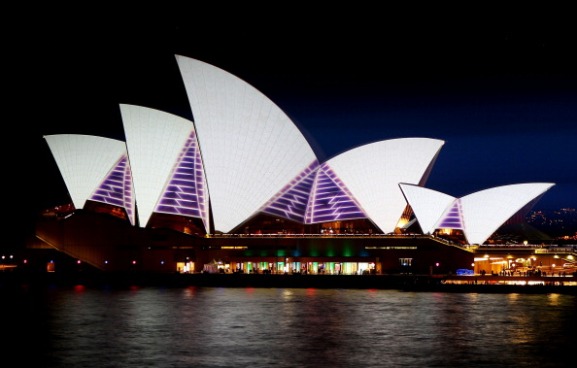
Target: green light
348,249
331,251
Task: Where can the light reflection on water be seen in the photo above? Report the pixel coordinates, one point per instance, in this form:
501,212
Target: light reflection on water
254,327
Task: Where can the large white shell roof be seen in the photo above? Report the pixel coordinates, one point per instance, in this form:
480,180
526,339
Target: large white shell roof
154,140
372,174
250,148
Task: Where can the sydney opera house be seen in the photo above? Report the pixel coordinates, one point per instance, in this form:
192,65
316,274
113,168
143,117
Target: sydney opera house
239,189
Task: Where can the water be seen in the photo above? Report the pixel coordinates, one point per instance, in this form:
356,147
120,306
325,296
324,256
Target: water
262,327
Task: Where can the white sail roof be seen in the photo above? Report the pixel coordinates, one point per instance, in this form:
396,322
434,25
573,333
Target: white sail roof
84,161
154,141
250,148
372,174
485,211
479,214
427,204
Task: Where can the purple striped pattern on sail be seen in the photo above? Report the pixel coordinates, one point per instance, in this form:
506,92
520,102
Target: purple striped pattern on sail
185,194
116,188
453,218
291,201
331,200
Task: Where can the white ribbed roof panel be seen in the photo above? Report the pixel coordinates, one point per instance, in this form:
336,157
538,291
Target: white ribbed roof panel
154,141
84,161
250,147
427,204
485,211
373,172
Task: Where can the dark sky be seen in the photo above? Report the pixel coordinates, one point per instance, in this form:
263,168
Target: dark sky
499,88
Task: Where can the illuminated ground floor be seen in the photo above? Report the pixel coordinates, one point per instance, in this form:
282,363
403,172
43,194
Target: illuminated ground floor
525,261
109,245
566,280
106,244
286,266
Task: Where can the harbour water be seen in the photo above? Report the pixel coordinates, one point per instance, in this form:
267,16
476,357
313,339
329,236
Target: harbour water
79,326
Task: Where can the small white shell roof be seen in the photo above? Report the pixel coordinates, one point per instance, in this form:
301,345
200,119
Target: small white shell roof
250,147
482,212
372,174
427,204
154,140
485,211
84,161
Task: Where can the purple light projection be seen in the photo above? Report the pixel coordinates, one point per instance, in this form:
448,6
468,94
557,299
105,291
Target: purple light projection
185,193
331,200
291,202
452,218
116,188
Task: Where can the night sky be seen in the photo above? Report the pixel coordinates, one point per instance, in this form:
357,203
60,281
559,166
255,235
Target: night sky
500,91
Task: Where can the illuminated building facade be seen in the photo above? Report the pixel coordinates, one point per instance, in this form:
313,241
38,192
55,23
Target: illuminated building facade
242,186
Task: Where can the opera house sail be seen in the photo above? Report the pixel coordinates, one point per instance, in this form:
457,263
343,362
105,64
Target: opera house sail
478,214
